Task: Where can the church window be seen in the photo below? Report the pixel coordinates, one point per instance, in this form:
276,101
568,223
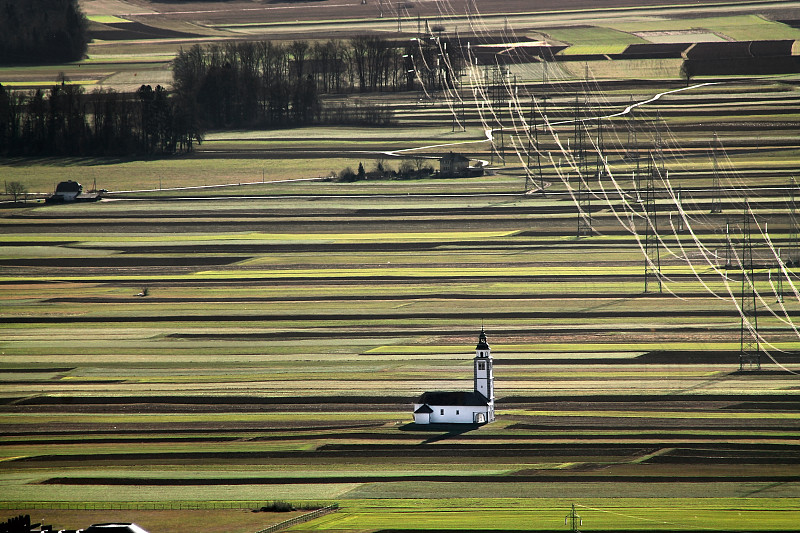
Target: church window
481,365
441,411
456,411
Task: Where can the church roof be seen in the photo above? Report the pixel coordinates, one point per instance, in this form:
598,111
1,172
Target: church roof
452,398
424,408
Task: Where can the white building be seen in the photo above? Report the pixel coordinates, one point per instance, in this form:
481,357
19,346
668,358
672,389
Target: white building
467,407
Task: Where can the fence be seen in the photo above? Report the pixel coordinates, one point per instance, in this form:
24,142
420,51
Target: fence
300,519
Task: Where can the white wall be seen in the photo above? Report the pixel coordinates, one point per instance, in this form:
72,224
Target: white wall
455,414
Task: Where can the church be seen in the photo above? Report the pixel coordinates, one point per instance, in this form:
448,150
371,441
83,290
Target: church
463,407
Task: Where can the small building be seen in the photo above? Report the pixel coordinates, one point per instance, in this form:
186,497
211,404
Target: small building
463,407
453,165
67,191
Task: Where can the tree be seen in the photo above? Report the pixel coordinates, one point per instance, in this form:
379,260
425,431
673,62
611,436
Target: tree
380,167
421,165
405,169
15,189
361,174
687,71
347,175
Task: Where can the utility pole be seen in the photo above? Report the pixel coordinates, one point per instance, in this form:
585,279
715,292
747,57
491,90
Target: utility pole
533,144
716,201
728,245
749,352
600,160
633,151
779,283
794,232
573,520
399,17
584,183
532,140
545,78
652,252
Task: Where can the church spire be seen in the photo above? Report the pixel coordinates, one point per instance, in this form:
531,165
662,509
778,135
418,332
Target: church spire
482,344
484,376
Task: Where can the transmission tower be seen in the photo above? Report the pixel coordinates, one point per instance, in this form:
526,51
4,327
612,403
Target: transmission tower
658,154
499,101
652,251
716,201
794,231
582,163
632,153
600,160
533,145
573,520
728,244
749,353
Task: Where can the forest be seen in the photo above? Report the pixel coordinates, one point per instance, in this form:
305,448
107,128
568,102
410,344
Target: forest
252,84
67,121
41,31
266,84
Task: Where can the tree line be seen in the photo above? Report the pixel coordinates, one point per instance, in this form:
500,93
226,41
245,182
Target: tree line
267,84
233,85
42,31
64,120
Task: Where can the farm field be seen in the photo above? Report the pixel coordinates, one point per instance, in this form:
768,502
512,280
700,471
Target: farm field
281,343
234,327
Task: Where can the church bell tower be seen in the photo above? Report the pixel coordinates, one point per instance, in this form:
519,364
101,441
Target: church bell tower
484,377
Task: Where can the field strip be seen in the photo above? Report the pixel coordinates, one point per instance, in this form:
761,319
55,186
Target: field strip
106,19
278,237
658,414
48,83
622,350
168,418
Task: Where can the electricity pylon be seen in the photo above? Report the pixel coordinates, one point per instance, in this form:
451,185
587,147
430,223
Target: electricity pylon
716,201
573,520
749,352
582,162
632,153
533,146
794,232
652,252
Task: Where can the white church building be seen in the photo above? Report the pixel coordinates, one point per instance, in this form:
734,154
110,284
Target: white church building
463,407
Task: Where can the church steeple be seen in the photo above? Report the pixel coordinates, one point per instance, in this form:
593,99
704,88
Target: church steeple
484,377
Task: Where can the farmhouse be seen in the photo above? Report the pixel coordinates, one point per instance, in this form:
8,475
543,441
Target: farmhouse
464,407
67,191
453,165
71,191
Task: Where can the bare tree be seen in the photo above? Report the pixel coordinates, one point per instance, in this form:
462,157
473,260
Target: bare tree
16,189
421,165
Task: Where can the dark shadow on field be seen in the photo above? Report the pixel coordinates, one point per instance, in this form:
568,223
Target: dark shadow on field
443,431
88,161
